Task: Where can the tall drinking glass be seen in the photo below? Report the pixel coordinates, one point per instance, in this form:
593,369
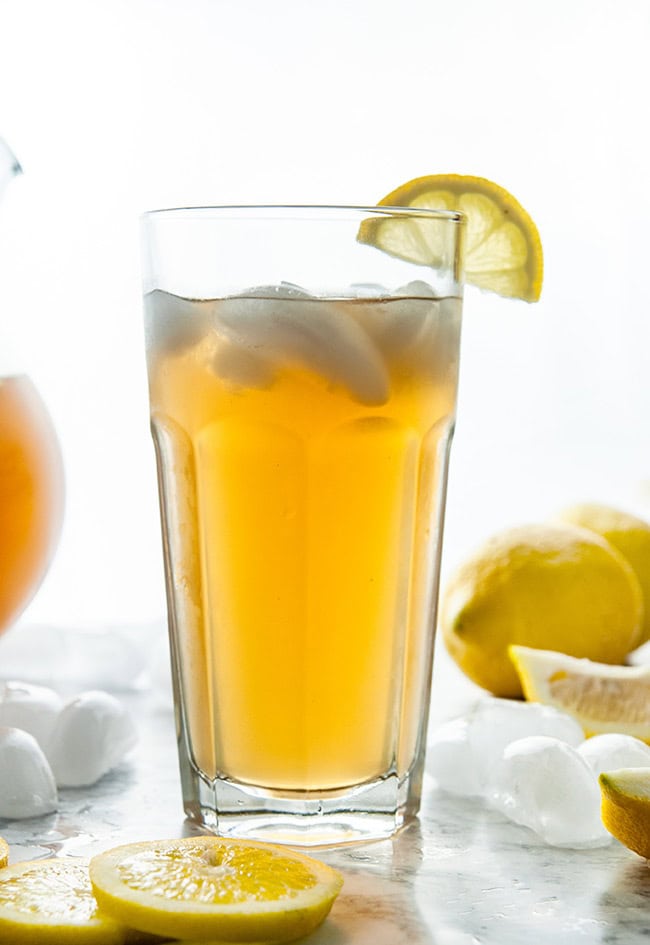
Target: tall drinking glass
303,388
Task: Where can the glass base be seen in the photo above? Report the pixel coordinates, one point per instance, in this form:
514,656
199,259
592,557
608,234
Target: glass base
371,811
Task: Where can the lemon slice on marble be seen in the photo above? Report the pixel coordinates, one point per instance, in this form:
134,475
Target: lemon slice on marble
214,888
503,250
50,902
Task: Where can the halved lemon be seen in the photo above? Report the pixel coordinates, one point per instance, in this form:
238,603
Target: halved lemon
601,697
51,901
214,888
4,852
503,250
626,807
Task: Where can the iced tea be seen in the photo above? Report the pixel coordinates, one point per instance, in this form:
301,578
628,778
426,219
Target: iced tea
302,452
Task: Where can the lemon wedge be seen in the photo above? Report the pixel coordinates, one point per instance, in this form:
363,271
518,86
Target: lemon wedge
503,250
4,852
50,901
625,808
214,888
601,697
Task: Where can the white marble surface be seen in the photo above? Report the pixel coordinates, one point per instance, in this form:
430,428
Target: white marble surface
459,876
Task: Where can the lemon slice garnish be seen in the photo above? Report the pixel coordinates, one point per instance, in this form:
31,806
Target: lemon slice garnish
503,250
4,852
51,901
601,697
214,888
626,807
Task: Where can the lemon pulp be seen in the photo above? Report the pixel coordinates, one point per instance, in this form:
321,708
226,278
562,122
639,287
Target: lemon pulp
51,901
503,249
601,697
213,887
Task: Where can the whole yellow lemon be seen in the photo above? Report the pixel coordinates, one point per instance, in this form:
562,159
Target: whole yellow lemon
549,586
629,534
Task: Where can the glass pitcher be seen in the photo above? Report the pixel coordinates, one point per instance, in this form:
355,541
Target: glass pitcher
31,472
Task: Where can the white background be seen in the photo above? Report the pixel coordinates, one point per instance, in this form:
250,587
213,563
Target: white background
122,106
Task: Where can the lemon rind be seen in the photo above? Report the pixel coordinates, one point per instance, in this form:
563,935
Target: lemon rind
534,668
232,922
22,928
407,194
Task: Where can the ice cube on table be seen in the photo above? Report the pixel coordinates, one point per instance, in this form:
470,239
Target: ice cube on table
450,760
33,709
611,751
462,753
495,723
546,785
75,657
27,786
93,733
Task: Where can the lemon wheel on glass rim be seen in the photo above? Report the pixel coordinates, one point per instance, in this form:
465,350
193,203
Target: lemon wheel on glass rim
503,249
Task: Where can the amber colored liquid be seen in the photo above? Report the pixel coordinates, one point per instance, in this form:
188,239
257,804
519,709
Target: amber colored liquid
300,527
31,494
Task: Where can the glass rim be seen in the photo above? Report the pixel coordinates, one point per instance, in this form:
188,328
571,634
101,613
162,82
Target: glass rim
265,209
